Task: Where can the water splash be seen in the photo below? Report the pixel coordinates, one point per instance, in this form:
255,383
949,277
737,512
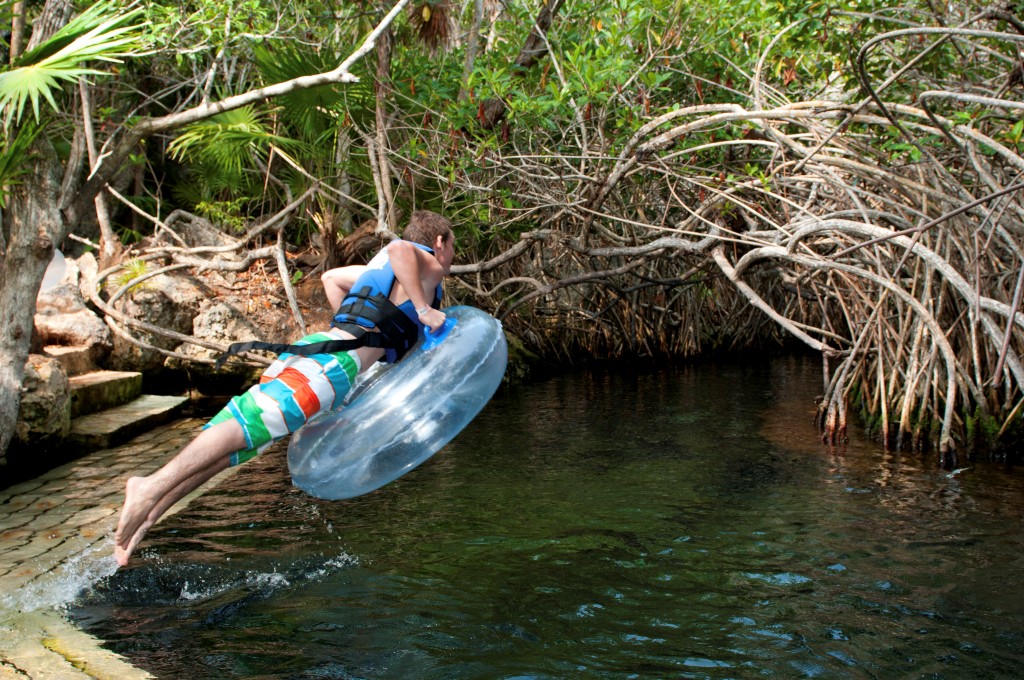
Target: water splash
167,582
66,582
197,592
264,583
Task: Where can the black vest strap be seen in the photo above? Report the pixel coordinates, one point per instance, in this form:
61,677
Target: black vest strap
362,339
396,330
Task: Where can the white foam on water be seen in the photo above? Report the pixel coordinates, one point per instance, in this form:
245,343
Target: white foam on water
189,595
342,561
260,581
67,581
267,583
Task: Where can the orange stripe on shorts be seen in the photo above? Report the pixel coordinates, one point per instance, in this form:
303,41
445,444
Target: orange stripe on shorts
304,395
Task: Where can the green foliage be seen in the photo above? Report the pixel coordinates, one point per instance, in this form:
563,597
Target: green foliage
981,430
898,148
14,157
613,67
221,153
227,213
313,113
192,30
227,140
1014,135
130,270
103,32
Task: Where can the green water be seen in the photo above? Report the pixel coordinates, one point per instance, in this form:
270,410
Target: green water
685,523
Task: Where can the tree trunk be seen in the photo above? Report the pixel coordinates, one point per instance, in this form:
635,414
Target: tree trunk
17,29
472,43
536,45
382,88
36,228
55,15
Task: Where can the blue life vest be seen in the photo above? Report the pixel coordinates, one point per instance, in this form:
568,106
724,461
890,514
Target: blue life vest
368,306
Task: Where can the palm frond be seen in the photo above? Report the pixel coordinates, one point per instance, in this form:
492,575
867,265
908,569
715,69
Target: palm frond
104,32
226,140
309,112
103,18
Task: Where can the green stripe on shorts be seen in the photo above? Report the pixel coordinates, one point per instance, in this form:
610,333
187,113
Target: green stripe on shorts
348,364
255,430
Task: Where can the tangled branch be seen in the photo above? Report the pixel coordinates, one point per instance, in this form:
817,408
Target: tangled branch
882,234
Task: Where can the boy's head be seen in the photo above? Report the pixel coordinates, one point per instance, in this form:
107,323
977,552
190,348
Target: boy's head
434,231
425,227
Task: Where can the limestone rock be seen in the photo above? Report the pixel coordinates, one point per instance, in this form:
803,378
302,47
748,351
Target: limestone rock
64,318
87,270
193,231
167,301
44,415
224,321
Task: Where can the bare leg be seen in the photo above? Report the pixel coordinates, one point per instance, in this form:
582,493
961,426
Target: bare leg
147,498
121,554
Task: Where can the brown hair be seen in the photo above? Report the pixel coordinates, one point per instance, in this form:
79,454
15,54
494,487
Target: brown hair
424,227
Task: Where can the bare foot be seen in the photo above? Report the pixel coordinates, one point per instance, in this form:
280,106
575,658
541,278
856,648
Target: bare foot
121,554
139,499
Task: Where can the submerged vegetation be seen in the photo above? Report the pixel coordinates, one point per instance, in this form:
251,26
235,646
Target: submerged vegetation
657,178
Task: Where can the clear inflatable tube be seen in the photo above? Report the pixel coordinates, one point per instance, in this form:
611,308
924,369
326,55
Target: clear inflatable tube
398,416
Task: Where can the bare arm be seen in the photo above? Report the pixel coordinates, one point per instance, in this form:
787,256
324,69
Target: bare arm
339,281
419,273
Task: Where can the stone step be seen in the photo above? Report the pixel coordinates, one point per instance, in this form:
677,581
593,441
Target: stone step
99,390
115,426
75,360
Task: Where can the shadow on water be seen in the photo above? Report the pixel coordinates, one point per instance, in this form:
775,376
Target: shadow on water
683,523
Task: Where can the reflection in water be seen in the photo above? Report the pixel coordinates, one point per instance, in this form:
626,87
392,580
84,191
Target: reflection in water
686,523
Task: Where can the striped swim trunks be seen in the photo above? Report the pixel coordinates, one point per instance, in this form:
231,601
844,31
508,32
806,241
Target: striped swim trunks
292,390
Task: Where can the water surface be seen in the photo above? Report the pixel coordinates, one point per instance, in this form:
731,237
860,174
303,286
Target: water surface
683,523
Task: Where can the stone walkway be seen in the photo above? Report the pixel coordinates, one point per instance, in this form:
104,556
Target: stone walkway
56,538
